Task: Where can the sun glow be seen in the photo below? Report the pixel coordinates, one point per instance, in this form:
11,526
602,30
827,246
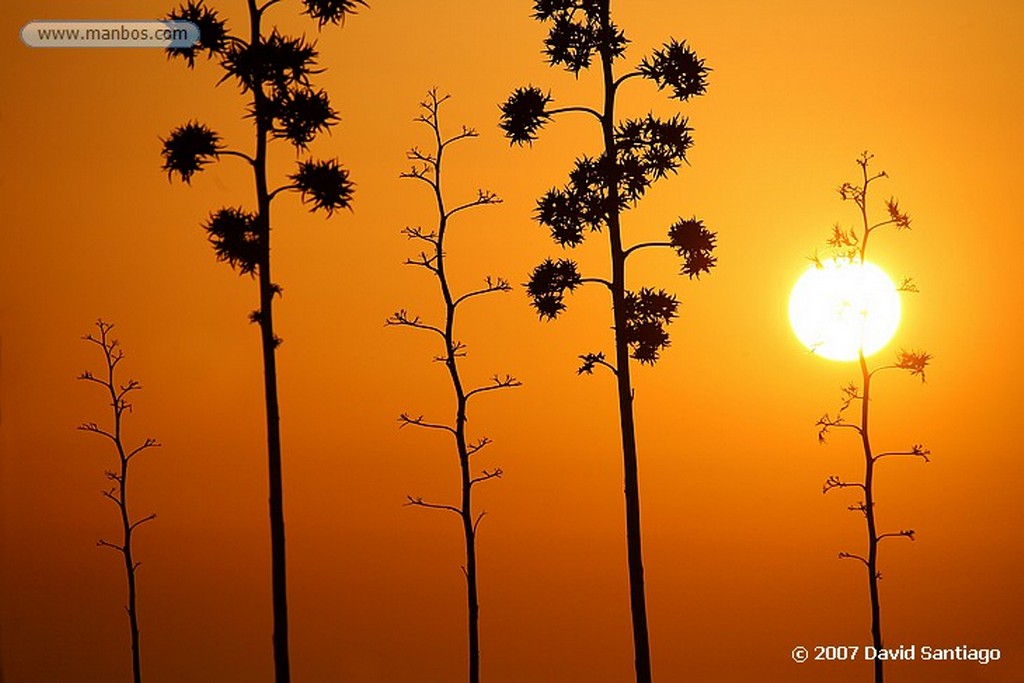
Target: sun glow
840,306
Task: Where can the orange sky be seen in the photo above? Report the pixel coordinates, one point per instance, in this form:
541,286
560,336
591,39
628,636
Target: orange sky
740,545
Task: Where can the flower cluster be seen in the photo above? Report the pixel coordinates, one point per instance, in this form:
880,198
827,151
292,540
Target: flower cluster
648,149
276,61
213,33
300,114
582,203
679,68
523,114
324,184
276,70
576,32
900,219
548,283
647,314
331,11
236,239
913,362
694,243
188,149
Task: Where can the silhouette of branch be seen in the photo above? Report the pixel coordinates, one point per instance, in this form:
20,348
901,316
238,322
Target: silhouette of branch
477,445
834,482
267,5
148,443
493,285
579,109
401,319
418,234
508,381
405,419
467,132
456,350
142,521
859,506
424,260
417,173
415,154
476,525
908,285
905,533
483,198
917,450
851,556
625,77
645,245
590,360
596,281
112,546
240,155
284,188
485,475
826,423
95,429
419,502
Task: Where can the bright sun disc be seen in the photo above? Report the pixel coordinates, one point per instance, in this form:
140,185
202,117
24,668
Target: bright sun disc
840,306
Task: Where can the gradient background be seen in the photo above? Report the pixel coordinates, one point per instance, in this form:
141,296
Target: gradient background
740,545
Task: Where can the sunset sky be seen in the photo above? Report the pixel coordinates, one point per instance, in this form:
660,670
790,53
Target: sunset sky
740,545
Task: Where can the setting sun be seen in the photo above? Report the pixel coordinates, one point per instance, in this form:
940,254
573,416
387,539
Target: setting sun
839,306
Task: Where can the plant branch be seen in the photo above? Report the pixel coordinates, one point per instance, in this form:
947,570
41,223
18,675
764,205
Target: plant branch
492,285
917,451
645,245
406,419
485,475
582,110
508,381
401,319
419,502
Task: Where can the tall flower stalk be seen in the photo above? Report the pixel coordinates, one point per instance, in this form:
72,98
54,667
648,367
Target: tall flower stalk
633,154
118,394
852,244
427,168
273,71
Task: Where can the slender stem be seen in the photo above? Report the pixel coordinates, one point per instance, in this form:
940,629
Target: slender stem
279,594
451,356
869,464
869,513
634,552
119,404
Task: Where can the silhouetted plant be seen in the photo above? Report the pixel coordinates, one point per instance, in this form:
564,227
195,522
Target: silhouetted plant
118,492
852,244
274,71
634,153
426,167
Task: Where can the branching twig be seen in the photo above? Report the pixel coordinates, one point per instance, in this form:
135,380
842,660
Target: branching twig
506,382
401,318
406,419
485,475
119,405
419,502
433,259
